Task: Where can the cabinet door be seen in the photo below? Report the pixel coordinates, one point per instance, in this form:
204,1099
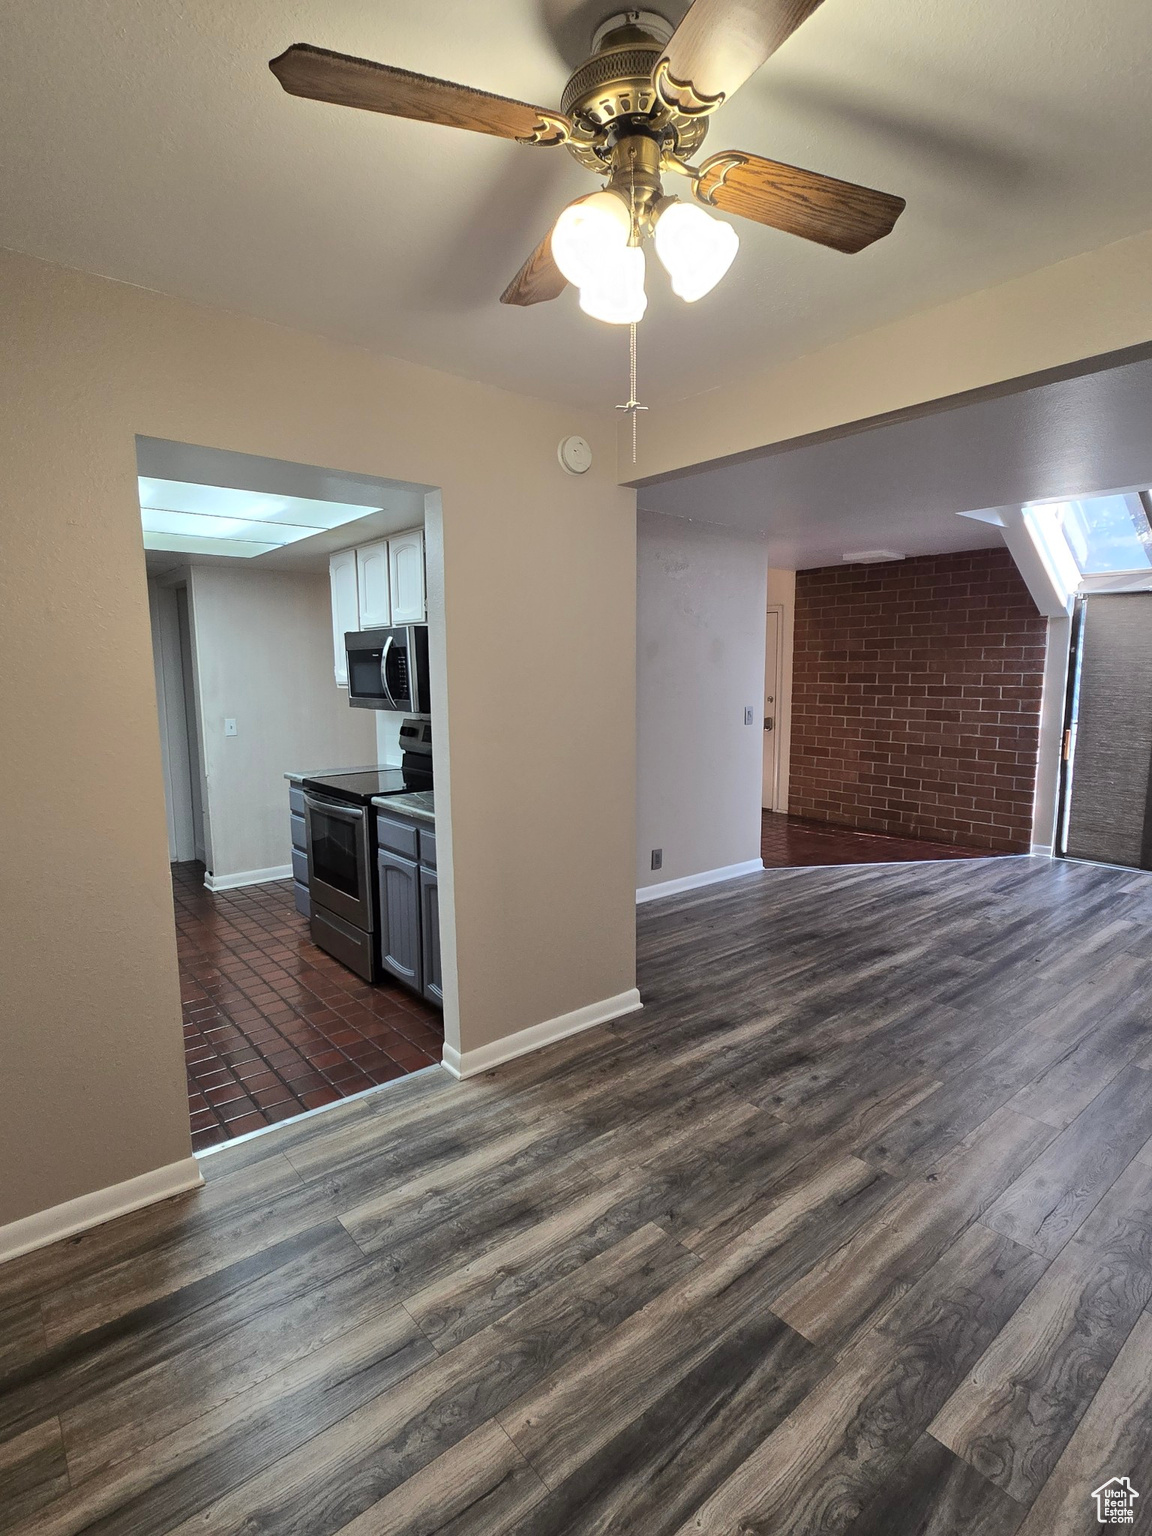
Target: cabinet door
345,607
406,558
430,937
372,585
400,918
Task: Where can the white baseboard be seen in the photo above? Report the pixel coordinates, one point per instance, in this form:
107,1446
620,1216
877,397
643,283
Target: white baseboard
469,1063
101,1205
692,882
1043,848
247,877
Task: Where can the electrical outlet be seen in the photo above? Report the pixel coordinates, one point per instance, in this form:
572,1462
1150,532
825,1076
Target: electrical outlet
749,715
657,858
229,727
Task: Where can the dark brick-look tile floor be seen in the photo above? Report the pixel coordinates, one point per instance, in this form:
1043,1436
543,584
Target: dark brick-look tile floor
272,1025
788,842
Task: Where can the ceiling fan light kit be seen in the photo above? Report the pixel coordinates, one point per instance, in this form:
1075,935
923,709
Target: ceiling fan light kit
615,292
695,249
636,110
589,236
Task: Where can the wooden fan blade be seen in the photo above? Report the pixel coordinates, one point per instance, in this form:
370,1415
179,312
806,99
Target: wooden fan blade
834,213
718,45
336,77
538,280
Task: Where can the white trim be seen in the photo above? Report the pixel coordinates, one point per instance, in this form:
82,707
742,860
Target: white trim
1045,849
247,877
101,1205
468,1063
692,882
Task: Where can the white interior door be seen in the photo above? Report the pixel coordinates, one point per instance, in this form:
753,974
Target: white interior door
770,798
192,728
170,706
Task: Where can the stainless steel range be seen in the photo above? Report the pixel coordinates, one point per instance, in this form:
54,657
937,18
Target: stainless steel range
341,833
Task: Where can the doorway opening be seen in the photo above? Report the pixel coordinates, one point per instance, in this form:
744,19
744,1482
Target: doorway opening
289,1007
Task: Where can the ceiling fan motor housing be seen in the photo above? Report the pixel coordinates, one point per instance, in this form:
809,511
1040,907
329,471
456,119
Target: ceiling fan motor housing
615,84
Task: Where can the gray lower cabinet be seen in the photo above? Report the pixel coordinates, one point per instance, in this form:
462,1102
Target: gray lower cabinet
300,892
430,936
400,918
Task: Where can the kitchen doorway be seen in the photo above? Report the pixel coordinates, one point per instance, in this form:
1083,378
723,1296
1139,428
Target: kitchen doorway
250,603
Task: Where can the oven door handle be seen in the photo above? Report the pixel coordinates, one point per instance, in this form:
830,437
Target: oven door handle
384,670
330,808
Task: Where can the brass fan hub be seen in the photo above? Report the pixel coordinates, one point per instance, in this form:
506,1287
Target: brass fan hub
613,89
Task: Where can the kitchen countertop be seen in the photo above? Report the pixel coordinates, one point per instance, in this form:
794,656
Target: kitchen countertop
322,773
420,804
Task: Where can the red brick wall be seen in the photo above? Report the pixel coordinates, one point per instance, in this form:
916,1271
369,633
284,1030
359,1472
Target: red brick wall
916,698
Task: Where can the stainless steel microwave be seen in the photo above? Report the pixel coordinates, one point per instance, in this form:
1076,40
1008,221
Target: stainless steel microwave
388,669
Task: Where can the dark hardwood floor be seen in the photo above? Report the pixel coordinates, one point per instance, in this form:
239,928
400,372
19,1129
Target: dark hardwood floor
272,1025
795,842
850,1230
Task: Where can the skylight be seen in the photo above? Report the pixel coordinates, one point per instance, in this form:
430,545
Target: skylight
213,520
1103,535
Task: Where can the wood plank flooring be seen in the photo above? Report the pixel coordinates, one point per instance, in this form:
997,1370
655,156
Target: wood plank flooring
788,842
849,1231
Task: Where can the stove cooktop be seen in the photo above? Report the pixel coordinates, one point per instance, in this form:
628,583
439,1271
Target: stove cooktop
358,788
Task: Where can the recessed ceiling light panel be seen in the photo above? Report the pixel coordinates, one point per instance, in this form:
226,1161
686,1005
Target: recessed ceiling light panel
216,520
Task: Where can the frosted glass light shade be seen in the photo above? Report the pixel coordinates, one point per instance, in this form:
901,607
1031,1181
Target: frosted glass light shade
589,234
695,249
616,293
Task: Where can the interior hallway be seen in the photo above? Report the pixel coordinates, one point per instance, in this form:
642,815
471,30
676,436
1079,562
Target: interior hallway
850,1230
272,1025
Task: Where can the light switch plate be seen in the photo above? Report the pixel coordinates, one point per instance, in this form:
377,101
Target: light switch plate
229,727
749,715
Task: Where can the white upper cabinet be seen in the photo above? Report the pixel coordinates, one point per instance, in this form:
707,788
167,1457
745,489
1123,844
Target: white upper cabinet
406,557
345,607
376,585
372,585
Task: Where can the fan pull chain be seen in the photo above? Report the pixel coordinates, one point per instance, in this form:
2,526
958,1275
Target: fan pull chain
633,407
632,384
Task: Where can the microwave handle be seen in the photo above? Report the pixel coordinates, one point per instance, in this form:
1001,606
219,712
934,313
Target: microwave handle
384,670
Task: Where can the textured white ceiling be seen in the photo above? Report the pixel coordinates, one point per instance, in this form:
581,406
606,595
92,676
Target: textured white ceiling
148,142
901,487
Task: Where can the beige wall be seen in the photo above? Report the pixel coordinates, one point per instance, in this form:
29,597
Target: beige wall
701,595
264,658
533,608
1084,307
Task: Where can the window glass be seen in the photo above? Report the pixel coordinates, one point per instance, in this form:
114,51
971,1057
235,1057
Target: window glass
1106,533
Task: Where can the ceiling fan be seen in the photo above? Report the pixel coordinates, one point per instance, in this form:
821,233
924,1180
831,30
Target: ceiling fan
637,109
